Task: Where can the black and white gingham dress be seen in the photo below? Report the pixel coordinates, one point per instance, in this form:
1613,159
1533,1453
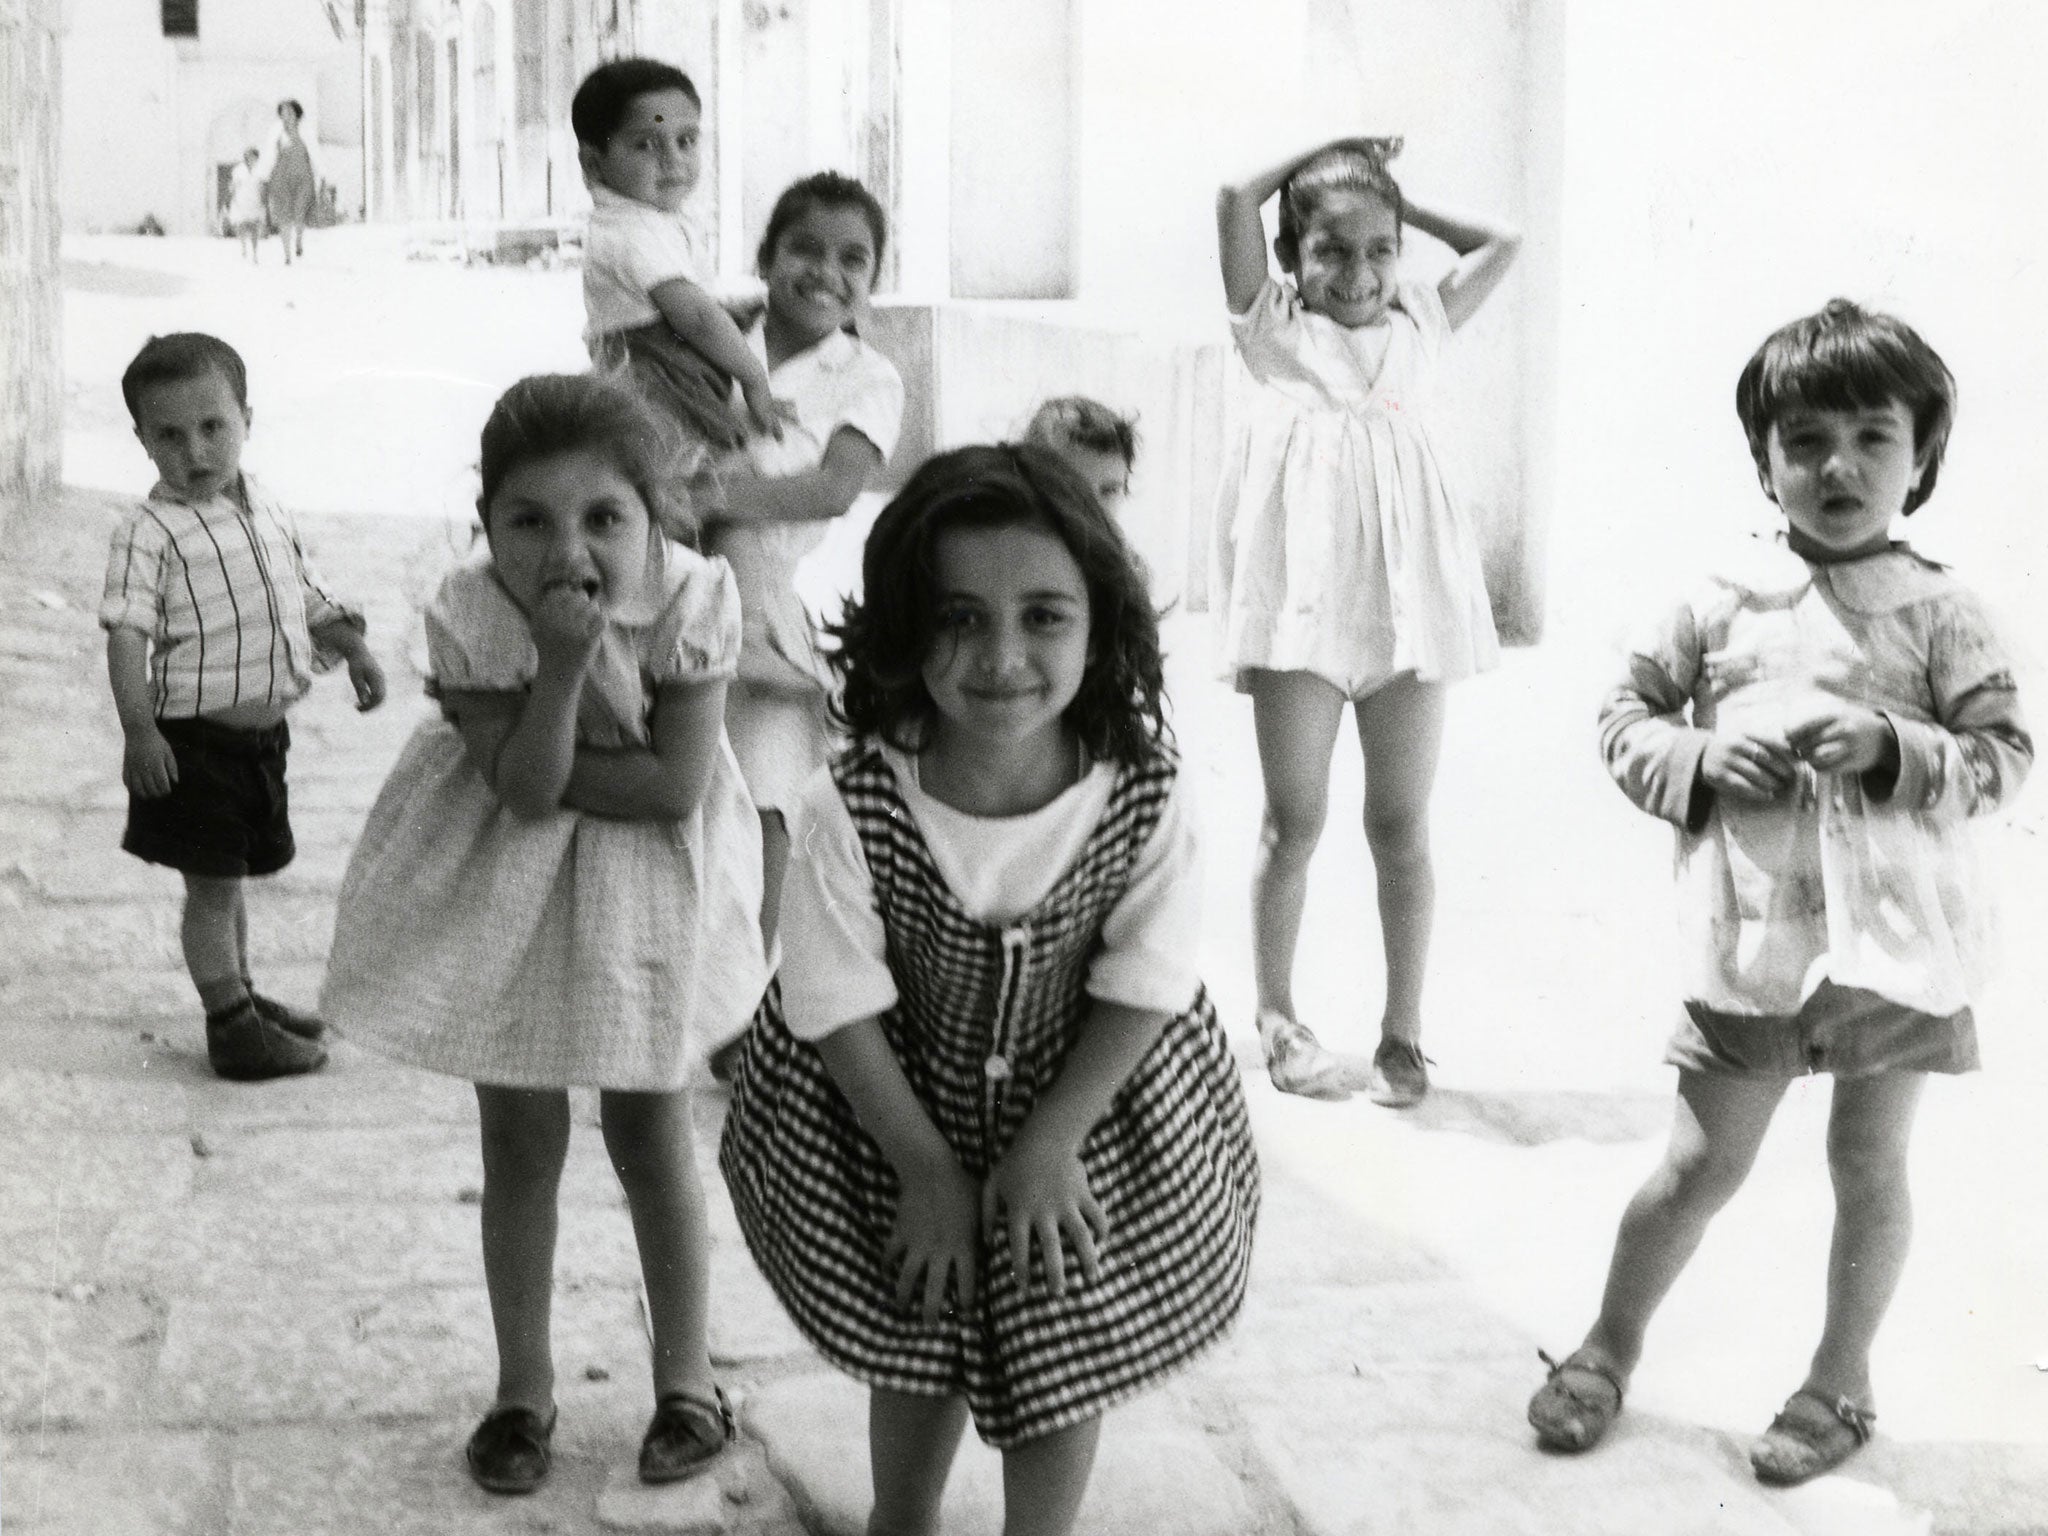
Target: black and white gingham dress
985,1016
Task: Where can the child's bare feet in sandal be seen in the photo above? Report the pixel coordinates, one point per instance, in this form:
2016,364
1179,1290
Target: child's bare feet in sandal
1810,1435
1577,1402
1297,1063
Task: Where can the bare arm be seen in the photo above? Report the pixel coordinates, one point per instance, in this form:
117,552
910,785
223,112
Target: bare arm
936,1231
365,675
148,767
814,495
665,782
1040,1187
702,321
1485,252
1241,236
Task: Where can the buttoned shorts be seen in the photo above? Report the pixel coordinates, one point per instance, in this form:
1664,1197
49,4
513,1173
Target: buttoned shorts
1842,1030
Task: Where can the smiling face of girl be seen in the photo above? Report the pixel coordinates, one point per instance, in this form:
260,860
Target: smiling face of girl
569,519
1350,253
819,275
1011,648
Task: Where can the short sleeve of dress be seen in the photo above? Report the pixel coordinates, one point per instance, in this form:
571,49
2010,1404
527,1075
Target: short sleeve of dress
656,249
1155,928
697,637
1268,334
1423,303
874,407
835,968
477,639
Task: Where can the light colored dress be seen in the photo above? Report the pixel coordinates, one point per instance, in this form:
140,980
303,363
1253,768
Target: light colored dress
1339,549
1831,882
576,949
775,713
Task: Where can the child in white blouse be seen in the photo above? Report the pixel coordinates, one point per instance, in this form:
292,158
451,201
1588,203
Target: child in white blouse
1818,719
637,124
214,626
987,1141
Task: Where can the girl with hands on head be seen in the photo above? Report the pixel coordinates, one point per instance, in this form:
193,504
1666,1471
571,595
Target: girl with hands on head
986,1139
1348,572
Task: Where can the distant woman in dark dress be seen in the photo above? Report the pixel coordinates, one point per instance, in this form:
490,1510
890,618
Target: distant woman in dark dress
289,195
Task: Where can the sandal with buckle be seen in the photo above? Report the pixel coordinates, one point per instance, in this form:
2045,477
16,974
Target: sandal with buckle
1804,1444
686,1435
1297,1063
510,1450
1402,1074
1573,1418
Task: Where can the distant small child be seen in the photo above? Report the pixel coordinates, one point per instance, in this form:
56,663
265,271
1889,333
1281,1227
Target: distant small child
637,124
986,1140
245,204
558,886
1818,718
214,626
1100,444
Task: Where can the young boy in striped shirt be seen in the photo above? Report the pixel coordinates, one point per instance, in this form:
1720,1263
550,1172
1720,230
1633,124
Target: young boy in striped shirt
214,627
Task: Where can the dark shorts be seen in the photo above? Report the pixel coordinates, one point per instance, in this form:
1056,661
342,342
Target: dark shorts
1842,1030
226,815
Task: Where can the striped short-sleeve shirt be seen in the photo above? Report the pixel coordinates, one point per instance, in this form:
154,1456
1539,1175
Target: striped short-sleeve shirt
224,594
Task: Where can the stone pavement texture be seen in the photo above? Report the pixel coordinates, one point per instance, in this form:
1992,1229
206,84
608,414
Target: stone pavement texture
260,1309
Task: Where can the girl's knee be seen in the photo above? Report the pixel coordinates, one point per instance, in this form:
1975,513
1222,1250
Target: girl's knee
1293,824
1398,832
1704,1175
525,1137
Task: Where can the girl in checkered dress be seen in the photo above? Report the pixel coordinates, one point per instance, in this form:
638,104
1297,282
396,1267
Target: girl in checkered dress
986,1139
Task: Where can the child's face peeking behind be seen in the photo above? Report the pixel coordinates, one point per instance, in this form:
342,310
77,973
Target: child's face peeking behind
193,431
820,272
1108,476
1349,258
1841,476
652,156
568,521
1011,649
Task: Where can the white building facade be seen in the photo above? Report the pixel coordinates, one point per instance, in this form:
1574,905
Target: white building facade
162,97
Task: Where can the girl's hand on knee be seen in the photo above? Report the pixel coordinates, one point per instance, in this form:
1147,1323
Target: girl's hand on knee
1041,1188
1745,766
936,1237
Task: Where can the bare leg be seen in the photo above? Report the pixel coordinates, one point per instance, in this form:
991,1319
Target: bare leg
1869,1128
210,933
774,865
1719,1124
1044,1479
1400,731
525,1141
242,935
911,1444
648,1137
1295,715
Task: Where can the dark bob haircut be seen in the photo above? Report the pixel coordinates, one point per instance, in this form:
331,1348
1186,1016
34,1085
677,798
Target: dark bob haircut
1847,358
885,638
608,91
1084,423
826,189
179,356
1357,165
553,413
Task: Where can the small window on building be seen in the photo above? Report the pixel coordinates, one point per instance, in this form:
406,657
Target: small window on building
181,18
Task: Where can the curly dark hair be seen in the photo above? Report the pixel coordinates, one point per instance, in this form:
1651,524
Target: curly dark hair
1847,358
885,638
1084,423
1358,165
550,413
